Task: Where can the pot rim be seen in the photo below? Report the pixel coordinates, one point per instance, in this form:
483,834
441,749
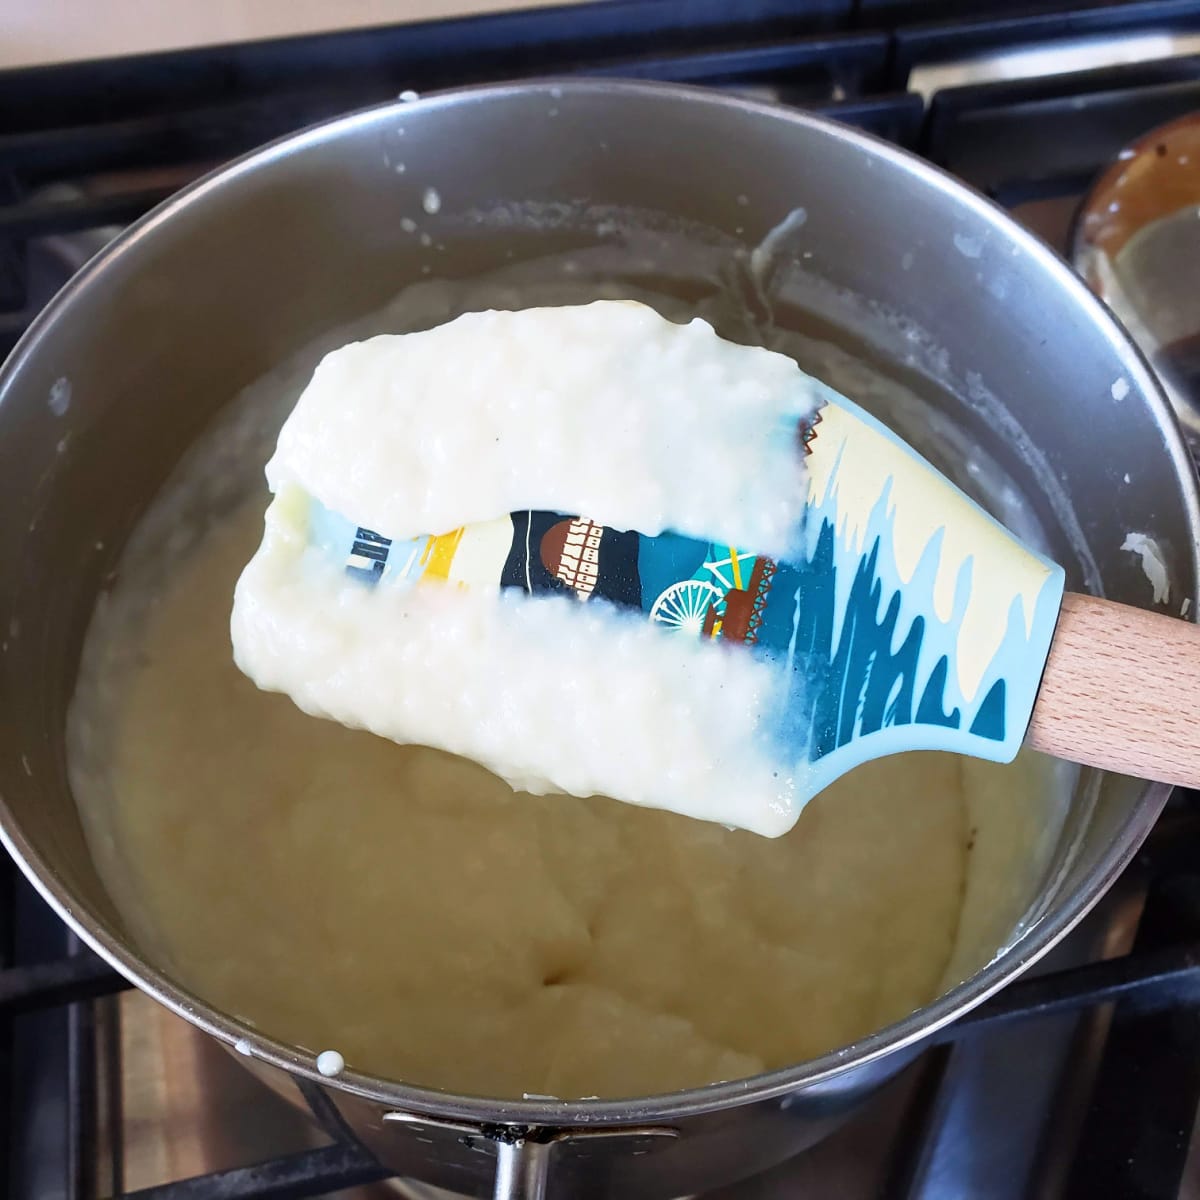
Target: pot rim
1030,946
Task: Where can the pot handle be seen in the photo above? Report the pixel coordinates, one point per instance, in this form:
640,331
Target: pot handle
524,1152
522,1169
523,1155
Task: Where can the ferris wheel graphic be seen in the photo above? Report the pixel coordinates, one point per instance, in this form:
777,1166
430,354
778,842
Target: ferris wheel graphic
684,606
690,605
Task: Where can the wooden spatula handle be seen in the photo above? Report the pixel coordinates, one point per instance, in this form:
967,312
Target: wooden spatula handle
1121,690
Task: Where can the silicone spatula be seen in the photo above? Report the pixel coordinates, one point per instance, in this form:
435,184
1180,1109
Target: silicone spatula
911,619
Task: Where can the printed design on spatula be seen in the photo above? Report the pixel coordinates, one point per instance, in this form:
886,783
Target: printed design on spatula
908,618
683,585
919,620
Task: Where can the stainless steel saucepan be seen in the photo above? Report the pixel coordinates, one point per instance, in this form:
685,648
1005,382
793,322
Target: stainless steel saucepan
900,264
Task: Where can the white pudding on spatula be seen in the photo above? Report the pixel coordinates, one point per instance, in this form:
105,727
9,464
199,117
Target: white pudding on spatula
606,410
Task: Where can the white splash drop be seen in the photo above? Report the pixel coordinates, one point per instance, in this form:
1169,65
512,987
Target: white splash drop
242,1046
968,245
1126,476
431,202
906,260
1154,566
408,96
408,225
1186,606
767,253
330,1063
1120,388
26,767
399,168
59,399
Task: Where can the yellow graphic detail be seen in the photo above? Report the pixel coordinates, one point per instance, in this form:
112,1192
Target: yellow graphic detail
737,568
439,554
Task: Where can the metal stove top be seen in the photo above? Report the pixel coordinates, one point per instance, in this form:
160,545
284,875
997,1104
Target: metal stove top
1083,1081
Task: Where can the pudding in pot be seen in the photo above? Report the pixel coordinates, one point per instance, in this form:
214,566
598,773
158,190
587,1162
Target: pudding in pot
413,912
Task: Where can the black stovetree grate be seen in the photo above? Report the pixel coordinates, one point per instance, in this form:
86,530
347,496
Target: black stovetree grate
96,144
343,1164
160,119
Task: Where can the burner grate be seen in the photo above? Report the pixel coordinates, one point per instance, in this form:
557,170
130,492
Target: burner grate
308,1173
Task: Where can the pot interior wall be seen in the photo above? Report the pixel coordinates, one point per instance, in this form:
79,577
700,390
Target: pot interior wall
645,189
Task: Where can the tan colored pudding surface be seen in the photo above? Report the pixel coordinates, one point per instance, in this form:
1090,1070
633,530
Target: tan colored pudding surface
411,911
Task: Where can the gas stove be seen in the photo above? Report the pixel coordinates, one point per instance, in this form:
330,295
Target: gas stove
1080,1081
